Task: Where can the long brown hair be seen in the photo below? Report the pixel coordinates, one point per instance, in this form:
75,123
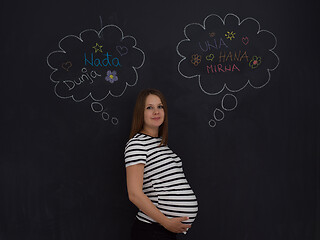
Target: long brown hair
138,114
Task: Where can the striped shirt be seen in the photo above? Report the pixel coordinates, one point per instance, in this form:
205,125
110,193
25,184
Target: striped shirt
163,181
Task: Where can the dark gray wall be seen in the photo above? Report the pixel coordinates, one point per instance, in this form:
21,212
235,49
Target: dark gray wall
62,175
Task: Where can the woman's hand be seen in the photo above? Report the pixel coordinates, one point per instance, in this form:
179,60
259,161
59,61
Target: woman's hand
175,225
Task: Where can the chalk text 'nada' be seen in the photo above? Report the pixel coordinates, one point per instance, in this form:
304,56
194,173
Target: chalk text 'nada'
107,61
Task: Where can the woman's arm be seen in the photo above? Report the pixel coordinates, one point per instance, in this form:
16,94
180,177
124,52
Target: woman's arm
138,198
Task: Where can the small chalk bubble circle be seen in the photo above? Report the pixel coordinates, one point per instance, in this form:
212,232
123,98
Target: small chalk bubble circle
96,107
114,121
229,102
105,116
218,114
212,123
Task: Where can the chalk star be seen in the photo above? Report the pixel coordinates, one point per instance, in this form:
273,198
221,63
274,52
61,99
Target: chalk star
97,48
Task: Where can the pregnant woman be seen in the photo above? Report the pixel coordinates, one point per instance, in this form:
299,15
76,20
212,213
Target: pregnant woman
156,183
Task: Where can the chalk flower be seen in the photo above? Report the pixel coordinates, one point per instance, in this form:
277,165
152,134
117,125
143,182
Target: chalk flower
255,62
111,76
230,35
195,59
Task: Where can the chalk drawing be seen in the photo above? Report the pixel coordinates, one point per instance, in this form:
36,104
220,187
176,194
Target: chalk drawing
237,54
218,114
210,57
97,48
95,65
212,123
111,76
67,65
245,40
229,102
98,108
230,35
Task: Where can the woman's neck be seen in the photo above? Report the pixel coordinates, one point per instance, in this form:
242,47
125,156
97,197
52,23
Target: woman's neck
151,132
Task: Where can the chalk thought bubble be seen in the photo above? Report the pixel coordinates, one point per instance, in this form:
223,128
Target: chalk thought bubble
227,54
95,64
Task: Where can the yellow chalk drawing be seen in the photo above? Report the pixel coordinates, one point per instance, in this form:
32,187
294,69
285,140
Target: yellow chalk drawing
210,57
97,48
255,62
230,35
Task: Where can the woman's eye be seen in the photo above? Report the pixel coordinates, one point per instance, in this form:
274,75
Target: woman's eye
149,107
160,107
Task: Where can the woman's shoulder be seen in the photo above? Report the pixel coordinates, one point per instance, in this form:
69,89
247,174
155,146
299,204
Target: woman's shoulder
137,138
142,139
134,143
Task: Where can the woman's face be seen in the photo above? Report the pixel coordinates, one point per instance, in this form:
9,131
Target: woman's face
153,112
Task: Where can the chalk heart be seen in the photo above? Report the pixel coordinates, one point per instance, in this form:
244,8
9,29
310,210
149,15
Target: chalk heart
210,57
66,65
122,50
245,40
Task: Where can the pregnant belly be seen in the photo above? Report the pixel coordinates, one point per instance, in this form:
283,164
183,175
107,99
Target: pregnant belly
178,203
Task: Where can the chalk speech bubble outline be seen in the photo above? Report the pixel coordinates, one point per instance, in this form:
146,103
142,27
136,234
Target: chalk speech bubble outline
80,38
223,21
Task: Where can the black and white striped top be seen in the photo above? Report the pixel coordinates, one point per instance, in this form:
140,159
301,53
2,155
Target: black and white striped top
164,181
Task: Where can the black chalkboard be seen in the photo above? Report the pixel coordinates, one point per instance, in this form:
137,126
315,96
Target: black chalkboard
241,80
